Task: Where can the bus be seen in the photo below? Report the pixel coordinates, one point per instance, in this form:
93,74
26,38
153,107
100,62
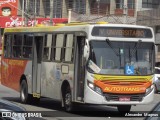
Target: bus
81,63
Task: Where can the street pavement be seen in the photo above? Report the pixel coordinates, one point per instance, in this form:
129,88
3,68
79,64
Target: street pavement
55,112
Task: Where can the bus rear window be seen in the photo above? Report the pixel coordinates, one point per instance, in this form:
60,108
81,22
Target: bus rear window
121,32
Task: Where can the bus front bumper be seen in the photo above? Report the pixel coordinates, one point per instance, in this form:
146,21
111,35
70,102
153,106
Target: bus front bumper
91,97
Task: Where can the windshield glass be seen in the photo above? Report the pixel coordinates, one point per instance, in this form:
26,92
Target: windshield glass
124,58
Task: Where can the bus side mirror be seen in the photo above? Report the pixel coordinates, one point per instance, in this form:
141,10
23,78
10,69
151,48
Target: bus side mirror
86,50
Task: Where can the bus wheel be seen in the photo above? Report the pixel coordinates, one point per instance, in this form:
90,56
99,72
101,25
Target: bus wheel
24,96
124,108
68,100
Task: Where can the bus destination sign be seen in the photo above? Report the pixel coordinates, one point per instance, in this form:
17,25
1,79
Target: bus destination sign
122,32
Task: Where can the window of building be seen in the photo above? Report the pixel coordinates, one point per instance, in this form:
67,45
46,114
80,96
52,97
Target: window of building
131,4
70,4
119,4
34,7
150,3
155,3
68,57
46,4
57,8
80,6
58,46
99,7
48,43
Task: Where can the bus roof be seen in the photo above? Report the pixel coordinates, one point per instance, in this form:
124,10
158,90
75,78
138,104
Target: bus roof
70,25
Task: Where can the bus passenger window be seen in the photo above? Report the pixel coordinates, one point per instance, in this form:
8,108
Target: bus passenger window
17,39
27,52
58,47
27,46
46,53
47,47
16,52
7,46
69,48
17,46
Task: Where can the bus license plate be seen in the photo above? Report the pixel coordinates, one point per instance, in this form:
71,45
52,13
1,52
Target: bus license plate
124,98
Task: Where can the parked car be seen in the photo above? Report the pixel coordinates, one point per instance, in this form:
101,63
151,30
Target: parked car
154,114
157,79
8,107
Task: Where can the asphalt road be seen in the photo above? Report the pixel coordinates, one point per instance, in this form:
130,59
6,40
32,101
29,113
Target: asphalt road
53,110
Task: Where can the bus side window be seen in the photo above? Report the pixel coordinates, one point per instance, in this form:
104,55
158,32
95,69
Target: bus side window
17,46
68,57
47,47
27,46
27,52
58,47
17,52
7,45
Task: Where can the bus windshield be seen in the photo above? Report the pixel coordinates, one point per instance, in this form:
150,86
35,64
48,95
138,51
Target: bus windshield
121,58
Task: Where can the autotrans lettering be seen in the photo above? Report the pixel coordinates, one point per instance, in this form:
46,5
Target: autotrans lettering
123,89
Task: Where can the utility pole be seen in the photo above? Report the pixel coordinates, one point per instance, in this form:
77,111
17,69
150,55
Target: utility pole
35,12
51,12
125,8
98,1
125,11
22,12
27,11
69,15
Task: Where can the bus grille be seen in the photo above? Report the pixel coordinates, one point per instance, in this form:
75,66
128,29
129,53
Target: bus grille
115,97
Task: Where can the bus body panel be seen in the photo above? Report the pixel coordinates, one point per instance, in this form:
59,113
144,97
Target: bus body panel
28,74
12,70
52,79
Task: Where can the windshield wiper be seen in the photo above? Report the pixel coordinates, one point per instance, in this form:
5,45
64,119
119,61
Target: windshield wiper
135,48
110,45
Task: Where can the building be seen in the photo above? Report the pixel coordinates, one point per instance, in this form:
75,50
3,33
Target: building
121,11
27,13
151,18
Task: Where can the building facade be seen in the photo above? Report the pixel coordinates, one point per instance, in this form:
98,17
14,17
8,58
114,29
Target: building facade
121,11
151,18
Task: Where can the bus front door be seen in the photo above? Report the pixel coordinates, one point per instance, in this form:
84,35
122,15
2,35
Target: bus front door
36,66
79,69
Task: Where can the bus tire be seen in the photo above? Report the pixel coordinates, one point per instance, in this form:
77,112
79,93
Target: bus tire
68,104
24,96
124,108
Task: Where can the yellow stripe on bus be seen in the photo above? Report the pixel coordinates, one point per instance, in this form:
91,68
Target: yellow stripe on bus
123,78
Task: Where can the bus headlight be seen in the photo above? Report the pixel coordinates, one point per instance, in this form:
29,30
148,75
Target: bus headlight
148,90
98,90
94,88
